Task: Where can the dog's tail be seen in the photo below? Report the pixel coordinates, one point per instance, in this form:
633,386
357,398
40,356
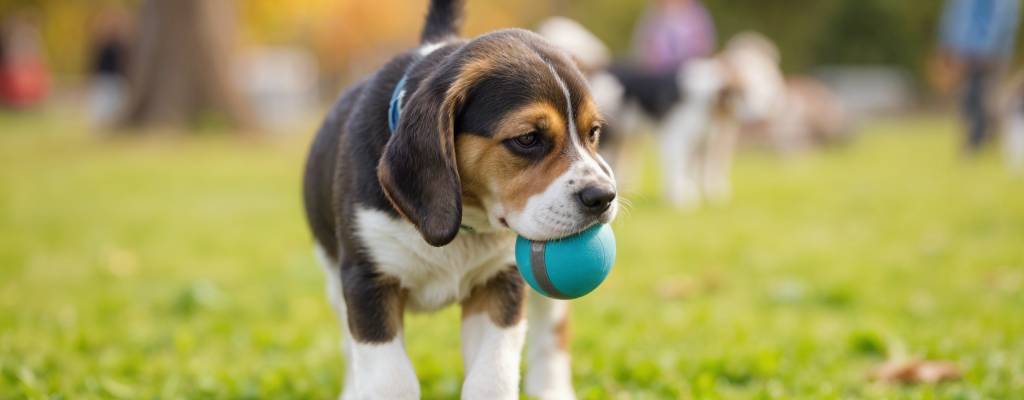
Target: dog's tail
443,20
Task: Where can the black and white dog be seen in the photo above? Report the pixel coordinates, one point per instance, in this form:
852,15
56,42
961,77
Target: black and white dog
416,185
696,112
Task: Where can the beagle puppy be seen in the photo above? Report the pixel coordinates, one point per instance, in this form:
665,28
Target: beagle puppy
416,185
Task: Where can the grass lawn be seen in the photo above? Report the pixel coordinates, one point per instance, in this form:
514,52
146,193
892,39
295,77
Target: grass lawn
181,268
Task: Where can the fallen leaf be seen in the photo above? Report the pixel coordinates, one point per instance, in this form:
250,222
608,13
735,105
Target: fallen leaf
121,263
683,287
677,288
915,371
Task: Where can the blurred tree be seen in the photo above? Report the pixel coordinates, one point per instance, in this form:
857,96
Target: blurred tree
183,69
878,32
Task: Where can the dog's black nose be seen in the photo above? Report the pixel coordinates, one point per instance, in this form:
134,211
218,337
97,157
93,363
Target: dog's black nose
596,199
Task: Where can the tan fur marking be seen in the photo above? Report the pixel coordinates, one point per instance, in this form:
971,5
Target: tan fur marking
454,98
562,331
489,169
470,150
528,118
501,298
587,117
523,185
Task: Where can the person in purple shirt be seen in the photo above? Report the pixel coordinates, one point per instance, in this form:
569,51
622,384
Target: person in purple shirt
979,36
671,33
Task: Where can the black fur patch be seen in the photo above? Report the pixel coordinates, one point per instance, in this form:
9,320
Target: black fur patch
656,93
373,304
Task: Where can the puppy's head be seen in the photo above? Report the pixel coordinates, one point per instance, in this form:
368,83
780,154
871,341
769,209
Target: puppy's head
506,126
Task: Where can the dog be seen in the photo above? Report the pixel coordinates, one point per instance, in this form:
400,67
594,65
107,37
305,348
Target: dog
810,115
696,111
416,185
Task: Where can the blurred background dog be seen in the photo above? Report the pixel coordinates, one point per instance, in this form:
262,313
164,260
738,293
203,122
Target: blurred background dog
702,107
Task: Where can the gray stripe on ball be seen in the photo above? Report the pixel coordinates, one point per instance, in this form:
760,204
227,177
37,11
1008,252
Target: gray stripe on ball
540,270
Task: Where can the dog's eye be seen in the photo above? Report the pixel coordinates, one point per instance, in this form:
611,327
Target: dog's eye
595,133
528,140
530,145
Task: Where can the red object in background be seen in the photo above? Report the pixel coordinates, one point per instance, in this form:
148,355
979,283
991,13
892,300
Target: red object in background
24,77
24,83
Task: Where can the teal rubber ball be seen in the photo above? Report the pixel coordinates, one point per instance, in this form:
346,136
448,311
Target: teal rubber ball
567,268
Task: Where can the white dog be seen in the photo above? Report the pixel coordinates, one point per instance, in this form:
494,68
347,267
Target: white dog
696,111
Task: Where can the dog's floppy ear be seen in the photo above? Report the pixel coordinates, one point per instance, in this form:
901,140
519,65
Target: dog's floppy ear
418,170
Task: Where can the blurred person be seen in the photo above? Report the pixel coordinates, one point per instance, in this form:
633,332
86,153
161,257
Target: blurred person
672,32
108,66
24,78
978,37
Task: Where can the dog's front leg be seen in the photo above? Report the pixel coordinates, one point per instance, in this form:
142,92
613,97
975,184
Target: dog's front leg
548,367
679,143
493,330
380,368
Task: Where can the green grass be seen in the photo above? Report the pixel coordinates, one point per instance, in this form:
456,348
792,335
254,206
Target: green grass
181,268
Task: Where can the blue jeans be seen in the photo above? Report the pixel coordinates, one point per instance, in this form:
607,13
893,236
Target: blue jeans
979,77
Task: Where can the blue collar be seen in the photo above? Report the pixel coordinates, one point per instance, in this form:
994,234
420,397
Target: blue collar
395,112
395,105
397,95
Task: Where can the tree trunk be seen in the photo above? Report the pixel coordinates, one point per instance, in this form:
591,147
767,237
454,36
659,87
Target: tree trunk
182,66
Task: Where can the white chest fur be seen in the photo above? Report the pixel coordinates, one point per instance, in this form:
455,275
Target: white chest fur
433,276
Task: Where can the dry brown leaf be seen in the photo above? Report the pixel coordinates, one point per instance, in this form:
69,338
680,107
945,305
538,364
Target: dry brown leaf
121,262
677,288
681,287
915,370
